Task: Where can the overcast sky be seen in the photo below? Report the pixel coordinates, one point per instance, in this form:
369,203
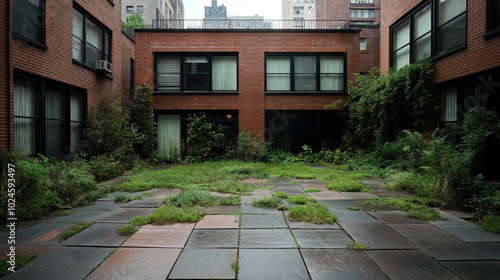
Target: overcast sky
269,9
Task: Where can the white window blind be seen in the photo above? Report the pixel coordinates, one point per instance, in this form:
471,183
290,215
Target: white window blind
401,45
169,134
305,73
278,72
25,117
331,73
224,73
77,36
169,73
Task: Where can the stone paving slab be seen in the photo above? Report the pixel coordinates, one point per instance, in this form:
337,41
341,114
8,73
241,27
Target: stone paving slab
249,209
291,190
470,233
163,193
340,264
99,205
450,219
171,226
42,233
327,195
213,238
337,204
137,263
492,249
357,195
24,250
98,235
124,215
256,182
352,216
271,264
79,216
111,196
451,249
65,263
318,187
409,264
280,181
144,203
266,238
484,270
375,208
226,209
205,264
158,238
312,239
395,217
419,230
306,225
263,221
218,222
376,235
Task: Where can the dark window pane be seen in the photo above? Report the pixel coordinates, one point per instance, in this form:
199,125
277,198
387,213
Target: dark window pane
29,19
196,82
453,33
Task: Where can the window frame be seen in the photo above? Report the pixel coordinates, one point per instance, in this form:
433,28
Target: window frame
434,32
182,56
491,29
365,43
318,73
42,28
106,39
128,10
371,13
41,85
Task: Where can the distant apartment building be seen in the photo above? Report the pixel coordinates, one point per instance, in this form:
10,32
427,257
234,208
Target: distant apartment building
154,10
215,16
59,58
362,14
463,39
296,9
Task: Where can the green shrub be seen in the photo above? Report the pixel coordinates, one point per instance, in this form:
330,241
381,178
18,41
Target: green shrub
343,184
126,230
75,229
300,199
168,214
105,167
205,140
230,200
135,186
250,148
122,198
313,212
336,156
139,221
490,223
269,203
307,155
141,122
190,197
92,196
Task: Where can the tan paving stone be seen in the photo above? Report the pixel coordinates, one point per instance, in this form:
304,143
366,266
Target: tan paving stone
158,238
327,195
218,222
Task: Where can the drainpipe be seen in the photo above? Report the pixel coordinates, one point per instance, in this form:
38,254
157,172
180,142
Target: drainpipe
9,80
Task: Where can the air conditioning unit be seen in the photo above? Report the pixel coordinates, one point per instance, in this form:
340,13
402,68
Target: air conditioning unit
103,66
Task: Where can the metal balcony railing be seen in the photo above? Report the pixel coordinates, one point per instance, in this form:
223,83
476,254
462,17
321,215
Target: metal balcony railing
237,24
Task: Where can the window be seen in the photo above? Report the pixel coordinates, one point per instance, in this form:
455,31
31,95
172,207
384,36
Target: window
493,15
424,33
91,40
361,1
298,10
449,108
362,44
356,22
130,9
29,20
169,135
306,72
48,119
196,72
357,13
140,9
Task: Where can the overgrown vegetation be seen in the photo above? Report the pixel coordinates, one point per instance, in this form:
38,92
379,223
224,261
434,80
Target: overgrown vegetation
75,229
126,230
169,214
357,246
21,261
312,212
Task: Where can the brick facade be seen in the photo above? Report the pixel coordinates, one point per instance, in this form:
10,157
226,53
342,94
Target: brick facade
54,62
251,101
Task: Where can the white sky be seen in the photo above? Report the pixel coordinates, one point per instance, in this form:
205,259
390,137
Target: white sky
269,9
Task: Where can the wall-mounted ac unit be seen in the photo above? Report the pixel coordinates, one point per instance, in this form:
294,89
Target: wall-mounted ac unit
103,66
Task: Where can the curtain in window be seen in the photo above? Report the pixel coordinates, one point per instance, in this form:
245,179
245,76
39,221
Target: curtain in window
422,33
305,73
278,72
224,73
94,43
75,105
331,73
168,73
449,107
77,36
169,134
25,117
55,120
401,45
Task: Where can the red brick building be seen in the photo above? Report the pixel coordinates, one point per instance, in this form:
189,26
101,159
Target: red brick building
363,15
274,83
462,38
58,59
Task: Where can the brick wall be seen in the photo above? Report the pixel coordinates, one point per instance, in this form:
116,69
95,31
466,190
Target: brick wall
251,47
56,62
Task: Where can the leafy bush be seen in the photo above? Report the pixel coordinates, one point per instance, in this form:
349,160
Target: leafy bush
336,156
313,212
307,155
141,122
380,106
300,199
342,184
190,197
169,214
205,140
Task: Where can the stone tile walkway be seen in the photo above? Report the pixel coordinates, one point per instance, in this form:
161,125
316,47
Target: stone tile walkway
244,242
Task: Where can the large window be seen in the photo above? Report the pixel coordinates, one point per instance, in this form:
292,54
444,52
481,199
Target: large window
91,39
448,107
196,72
48,119
29,20
305,72
298,10
424,33
493,16
366,13
361,1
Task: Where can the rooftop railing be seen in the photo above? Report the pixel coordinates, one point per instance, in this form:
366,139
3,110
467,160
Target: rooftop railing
236,24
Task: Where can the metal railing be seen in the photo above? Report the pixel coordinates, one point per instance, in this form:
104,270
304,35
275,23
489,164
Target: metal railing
129,31
238,24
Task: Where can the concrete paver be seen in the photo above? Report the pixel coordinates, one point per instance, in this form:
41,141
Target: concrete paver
271,264
470,233
321,238
205,264
213,238
376,235
327,195
484,270
218,222
395,217
98,235
266,238
418,230
158,238
263,221
124,215
449,249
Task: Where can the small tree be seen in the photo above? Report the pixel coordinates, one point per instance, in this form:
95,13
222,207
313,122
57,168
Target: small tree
135,21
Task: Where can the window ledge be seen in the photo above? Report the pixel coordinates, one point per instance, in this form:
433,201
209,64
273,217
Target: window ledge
491,34
29,41
336,92
363,52
450,52
196,92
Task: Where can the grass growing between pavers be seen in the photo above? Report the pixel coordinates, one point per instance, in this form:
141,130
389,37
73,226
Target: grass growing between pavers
126,230
490,223
75,229
357,246
270,203
20,262
312,212
300,199
415,207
